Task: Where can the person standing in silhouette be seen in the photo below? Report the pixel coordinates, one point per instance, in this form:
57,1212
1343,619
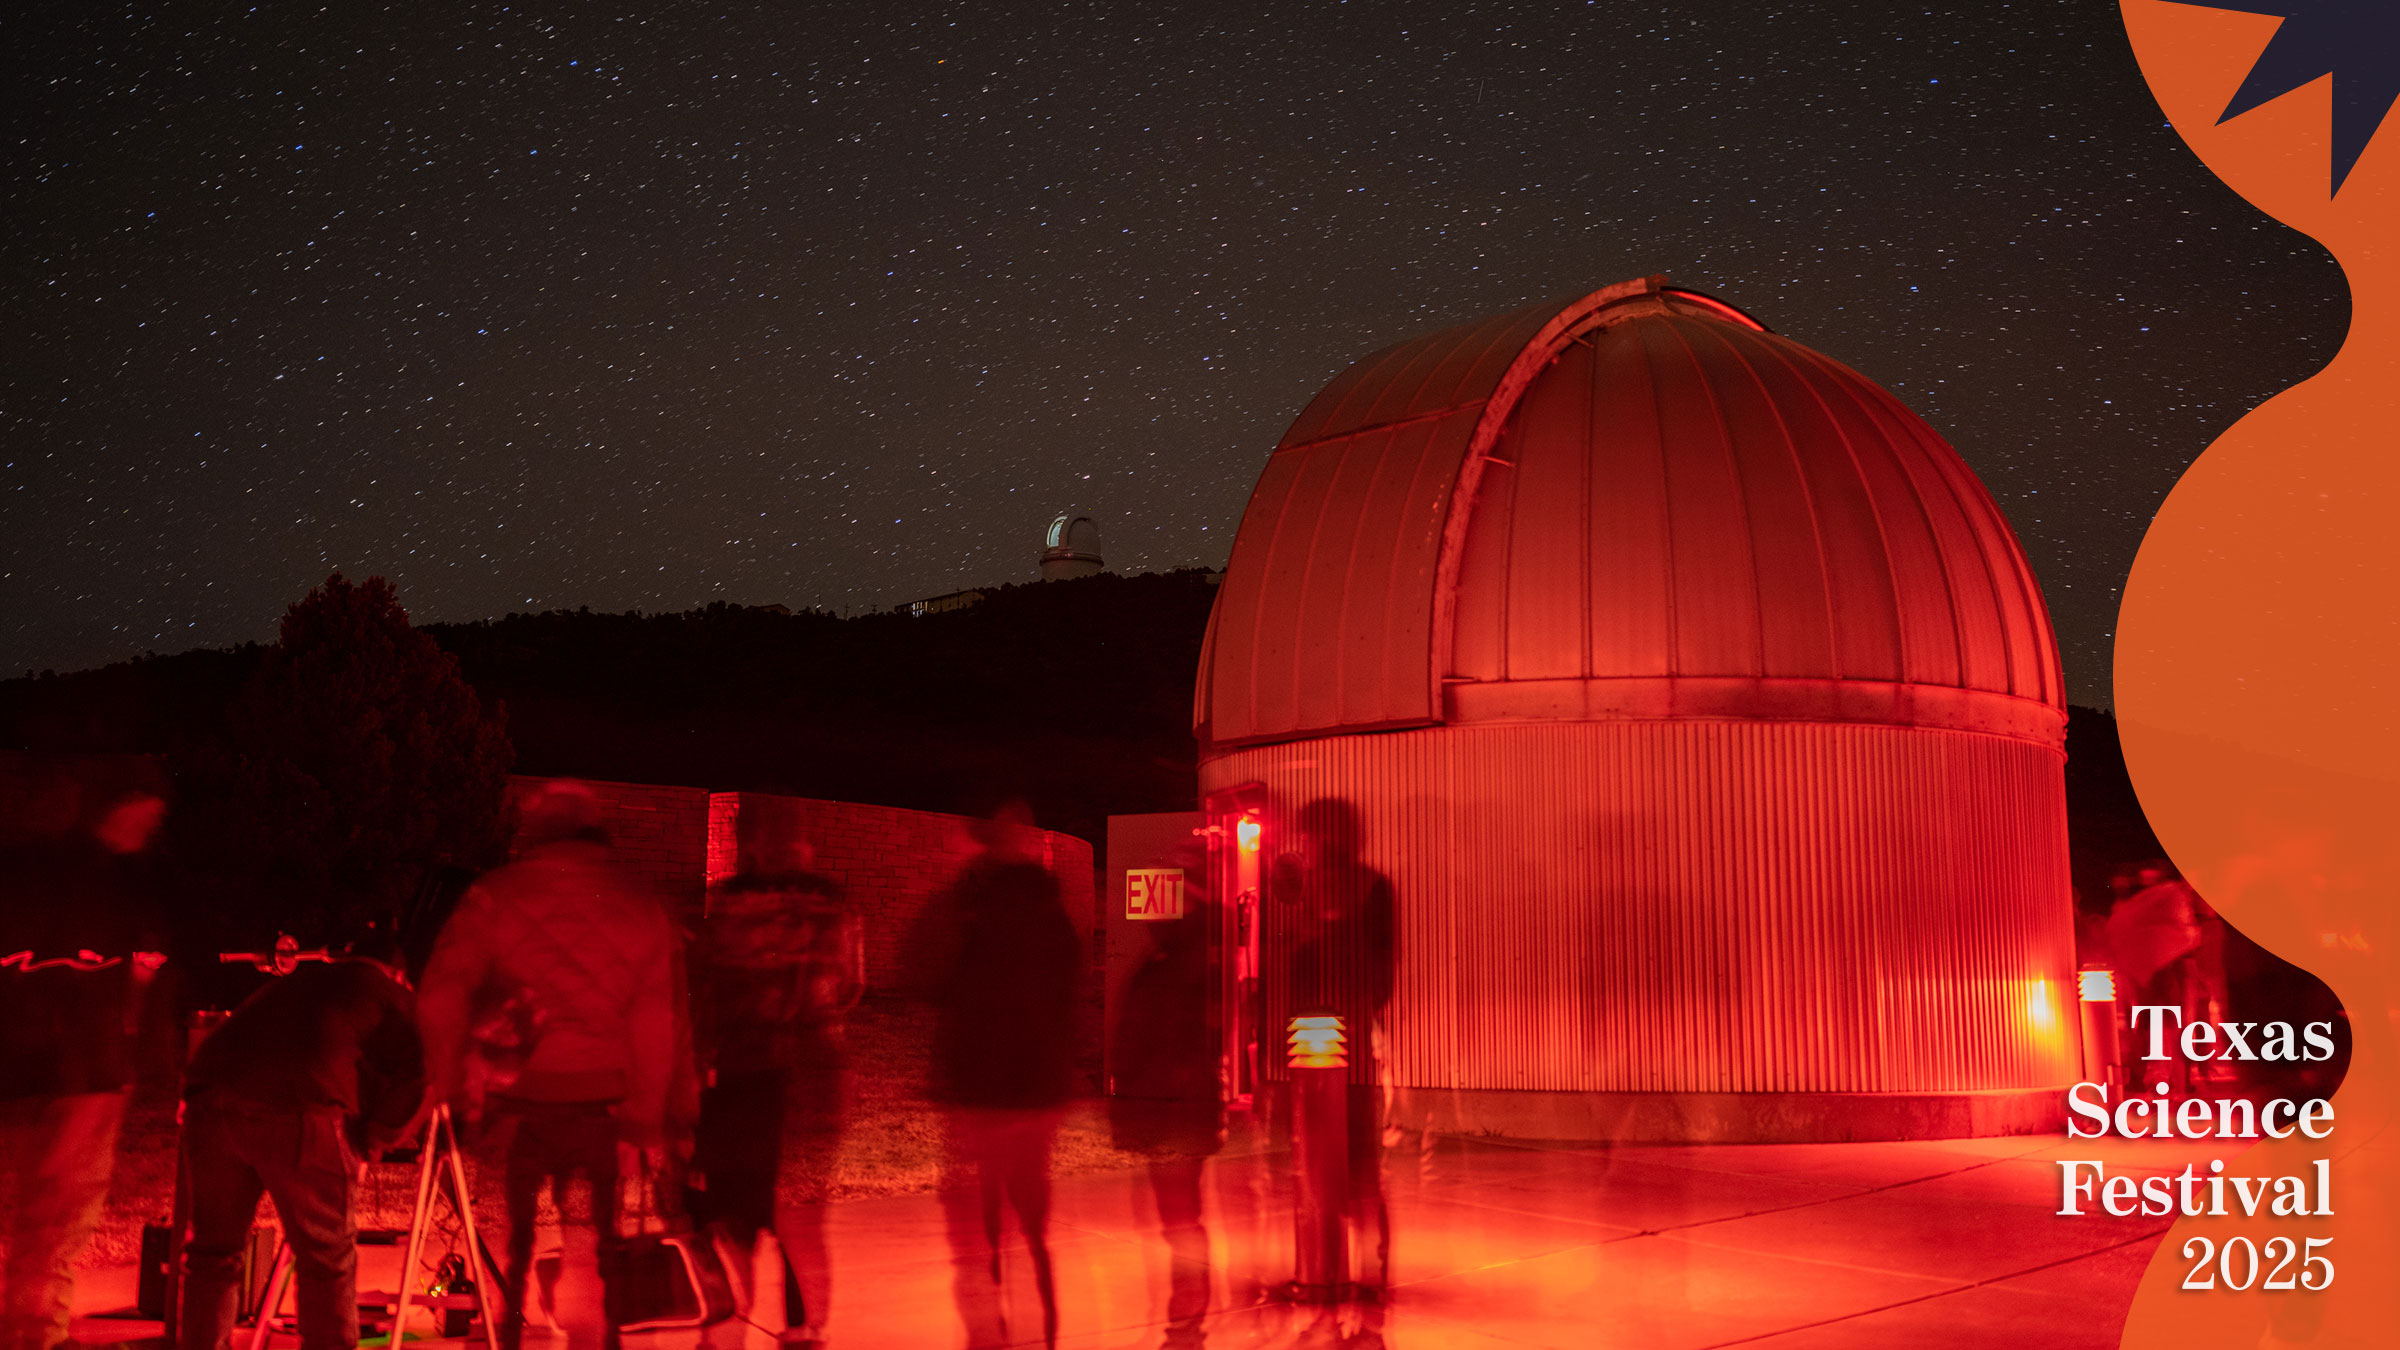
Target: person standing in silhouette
1168,1100
2155,935
1341,945
1003,1061
573,936
780,970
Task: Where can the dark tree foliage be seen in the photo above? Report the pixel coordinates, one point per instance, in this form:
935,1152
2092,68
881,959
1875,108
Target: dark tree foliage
2105,825
136,706
1076,695
354,761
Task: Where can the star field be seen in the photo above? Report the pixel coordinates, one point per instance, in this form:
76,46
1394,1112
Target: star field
533,308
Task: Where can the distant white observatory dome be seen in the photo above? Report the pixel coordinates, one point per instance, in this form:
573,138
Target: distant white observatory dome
1071,549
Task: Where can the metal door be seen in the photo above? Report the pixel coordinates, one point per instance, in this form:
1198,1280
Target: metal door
1236,833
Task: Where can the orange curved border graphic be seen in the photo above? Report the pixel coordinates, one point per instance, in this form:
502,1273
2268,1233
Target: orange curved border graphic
2258,682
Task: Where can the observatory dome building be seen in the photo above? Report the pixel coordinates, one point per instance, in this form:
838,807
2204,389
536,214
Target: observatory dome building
1702,711
1071,549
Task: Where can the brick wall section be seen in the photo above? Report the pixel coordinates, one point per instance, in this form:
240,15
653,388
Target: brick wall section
891,862
660,832
724,837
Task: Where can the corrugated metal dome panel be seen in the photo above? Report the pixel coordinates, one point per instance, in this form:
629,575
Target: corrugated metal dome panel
1668,512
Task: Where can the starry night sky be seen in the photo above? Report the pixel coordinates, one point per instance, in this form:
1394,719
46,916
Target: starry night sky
534,308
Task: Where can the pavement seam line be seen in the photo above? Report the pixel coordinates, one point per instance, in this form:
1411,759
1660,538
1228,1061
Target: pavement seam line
1945,1293
1834,1199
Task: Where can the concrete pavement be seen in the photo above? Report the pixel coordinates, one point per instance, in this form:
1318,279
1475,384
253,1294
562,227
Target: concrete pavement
1949,1243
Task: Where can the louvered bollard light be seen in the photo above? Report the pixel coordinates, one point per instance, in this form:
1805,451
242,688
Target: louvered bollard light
1320,1159
2096,989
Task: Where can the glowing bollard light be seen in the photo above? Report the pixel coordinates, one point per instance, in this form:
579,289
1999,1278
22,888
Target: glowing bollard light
2097,989
1320,1160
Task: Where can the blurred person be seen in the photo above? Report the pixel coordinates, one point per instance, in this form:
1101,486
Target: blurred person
1163,1048
1003,1062
1340,954
2155,937
316,1070
589,958
2093,904
77,925
778,970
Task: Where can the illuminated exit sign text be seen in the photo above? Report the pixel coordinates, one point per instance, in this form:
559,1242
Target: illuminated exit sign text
1153,892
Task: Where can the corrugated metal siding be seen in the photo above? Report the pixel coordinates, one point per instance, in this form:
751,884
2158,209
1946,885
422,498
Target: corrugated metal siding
1707,906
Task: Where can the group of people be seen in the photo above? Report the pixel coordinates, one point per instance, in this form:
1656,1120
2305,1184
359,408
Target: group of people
588,1048
582,1041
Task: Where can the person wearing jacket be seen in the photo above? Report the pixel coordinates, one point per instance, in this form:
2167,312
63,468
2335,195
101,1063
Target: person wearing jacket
1003,1061
780,966
1334,938
312,1072
586,960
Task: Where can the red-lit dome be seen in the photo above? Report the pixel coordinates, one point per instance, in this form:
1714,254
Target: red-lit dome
1700,712
1636,505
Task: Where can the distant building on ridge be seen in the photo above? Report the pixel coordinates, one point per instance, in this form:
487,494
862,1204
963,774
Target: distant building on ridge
1071,549
940,604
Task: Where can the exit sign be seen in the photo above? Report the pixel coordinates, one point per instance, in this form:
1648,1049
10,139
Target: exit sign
1153,892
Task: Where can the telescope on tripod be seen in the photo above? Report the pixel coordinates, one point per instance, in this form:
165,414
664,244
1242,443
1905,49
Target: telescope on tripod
440,1164
463,1287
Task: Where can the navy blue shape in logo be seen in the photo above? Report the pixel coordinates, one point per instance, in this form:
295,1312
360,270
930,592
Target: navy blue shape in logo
2357,42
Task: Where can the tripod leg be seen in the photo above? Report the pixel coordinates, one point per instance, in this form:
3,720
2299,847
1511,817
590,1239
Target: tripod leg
416,1227
478,1264
279,1282
179,1219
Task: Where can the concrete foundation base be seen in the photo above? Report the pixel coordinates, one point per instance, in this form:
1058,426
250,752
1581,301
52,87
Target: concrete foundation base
1731,1117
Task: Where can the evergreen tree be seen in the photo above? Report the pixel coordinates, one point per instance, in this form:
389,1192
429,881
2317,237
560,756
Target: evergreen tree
354,763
